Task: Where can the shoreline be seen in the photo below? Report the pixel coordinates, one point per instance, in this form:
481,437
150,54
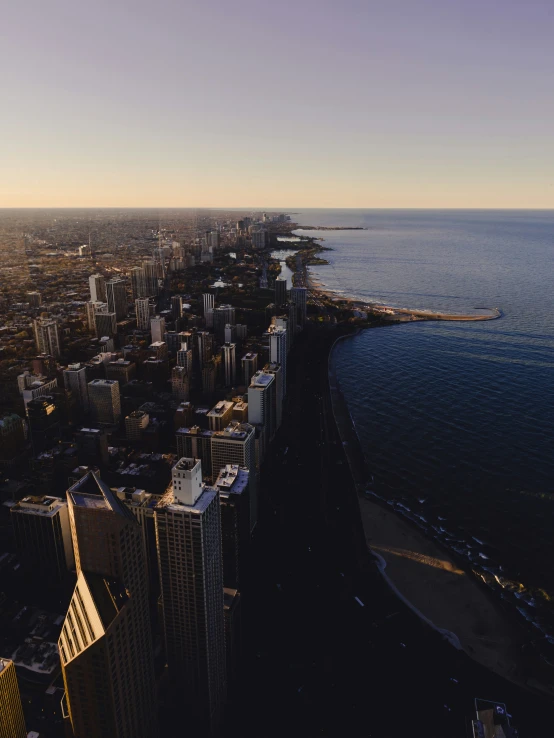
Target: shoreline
426,575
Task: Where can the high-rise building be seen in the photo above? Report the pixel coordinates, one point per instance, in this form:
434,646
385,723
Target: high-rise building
97,285
205,344
135,423
176,307
12,439
34,299
151,278
92,446
143,313
259,239
184,357
34,387
180,383
249,363
209,372
75,379
232,483
104,399
229,364
106,324
105,644
157,327
261,403
188,534
280,291
276,370
121,370
46,336
92,309
196,443
12,721
43,538
222,316
230,333
43,415
278,351
236,444
117,298
299,295
220,415
138,283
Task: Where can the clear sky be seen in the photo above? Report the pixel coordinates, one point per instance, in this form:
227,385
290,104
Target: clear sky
277,103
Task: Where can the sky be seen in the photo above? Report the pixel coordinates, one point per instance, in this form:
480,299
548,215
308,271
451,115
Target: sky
277,103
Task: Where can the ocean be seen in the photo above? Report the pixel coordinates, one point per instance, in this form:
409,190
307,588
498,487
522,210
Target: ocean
456,419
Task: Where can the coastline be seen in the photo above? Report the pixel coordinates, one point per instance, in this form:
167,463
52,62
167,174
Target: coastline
425,575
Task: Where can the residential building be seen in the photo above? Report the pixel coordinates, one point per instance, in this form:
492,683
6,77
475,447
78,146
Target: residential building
299,295
97,285
46,336
143,312
121,370
276,370
34,299
106,324
232,483
261,403
278,350
157,327
180,383
236,444
249,363
184,357
188,534
43,415
12,439
280,291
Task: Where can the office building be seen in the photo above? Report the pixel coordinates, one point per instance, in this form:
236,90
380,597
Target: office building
280,291
46,336
121,370
232,483
117,298
249,364
92,308
180,383
138,283
157,327
261,403
299,295
184,357
193,442
34,299
43,538
43,415
176,307
278,350
205,346
75,379
143,312
259,239
135,423
276,370
104,401
222,316
236,444
241,331
230,333
106,324
12,721
97,285
105,644
208,378
36,387
151,278
229,364
92,446
188,534
220,415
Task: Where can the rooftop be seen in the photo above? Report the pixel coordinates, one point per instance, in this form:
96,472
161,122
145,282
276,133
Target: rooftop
232,478
261,379
168,501
40,505
222,407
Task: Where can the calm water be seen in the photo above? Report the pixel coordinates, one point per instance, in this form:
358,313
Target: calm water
457,419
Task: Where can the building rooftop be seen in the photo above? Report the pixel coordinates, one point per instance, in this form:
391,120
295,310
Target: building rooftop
195,431
102,382
232,479
185,464
235,431
91,492
39,505
261,379
169,502
222,407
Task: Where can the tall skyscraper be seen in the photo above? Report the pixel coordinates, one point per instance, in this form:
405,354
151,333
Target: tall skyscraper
278,351
236,444
97,285
34,299
232,483
184,357
43,414
222,316
180,383
276,370
229,364
205,344
105,644
12,721
208,302
75,379
43,538
280,291
143,313
138,283
176,307
299,295
117,298
92,309
151,278
261,403
188,534
46,336
249,363
105,402
157,327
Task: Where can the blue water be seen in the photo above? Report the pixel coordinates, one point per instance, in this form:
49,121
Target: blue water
458,415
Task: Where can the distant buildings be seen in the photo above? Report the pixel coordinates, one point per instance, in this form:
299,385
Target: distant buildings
299,295
12,722
97,285
35,299
280,291
157,326
117,298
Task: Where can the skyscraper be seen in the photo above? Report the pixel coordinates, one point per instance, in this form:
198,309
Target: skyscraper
249,364
232,483
43,414
97,285
138,283
222,316
196,443
188,533
184,357
220,415
280,291
12,722
276,370
236,444
92,309
104,399
151,278
205,344
75,379
176,307
261,403
106,324
46,336
117,298
43,538
299,295
143,313
229,364
157,327
105,644
180,383
278,351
